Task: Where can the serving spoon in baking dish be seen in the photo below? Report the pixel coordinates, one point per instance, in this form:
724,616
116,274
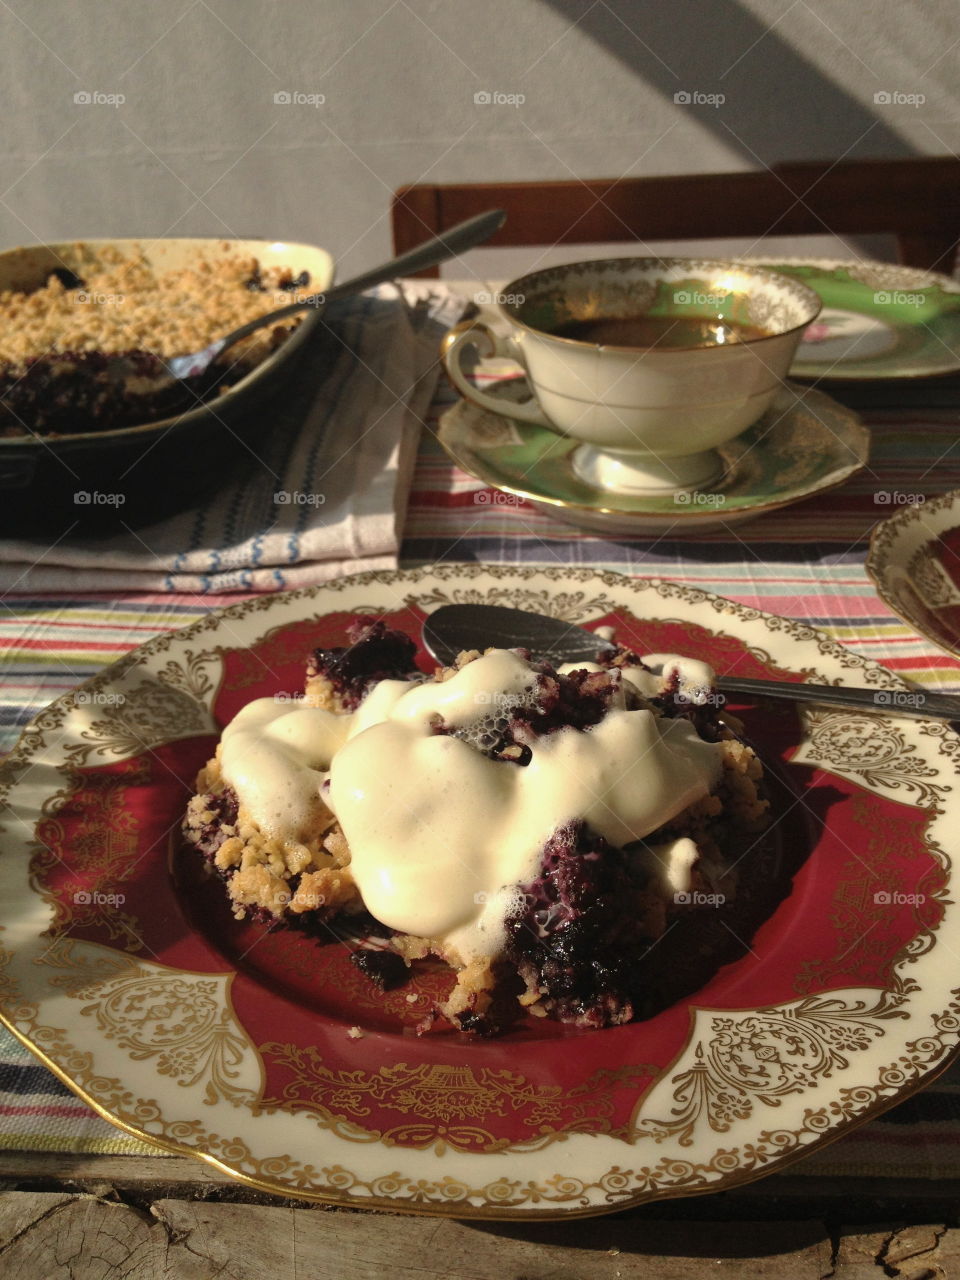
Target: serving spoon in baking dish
464,236
454,627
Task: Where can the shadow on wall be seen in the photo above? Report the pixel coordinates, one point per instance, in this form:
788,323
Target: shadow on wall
776,106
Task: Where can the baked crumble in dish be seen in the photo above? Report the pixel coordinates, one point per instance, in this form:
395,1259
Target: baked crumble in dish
86,350
541,830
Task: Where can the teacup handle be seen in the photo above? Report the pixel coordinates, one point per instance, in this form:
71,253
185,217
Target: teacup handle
474,333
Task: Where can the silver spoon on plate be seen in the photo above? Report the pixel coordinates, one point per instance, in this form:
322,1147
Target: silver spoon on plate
454,627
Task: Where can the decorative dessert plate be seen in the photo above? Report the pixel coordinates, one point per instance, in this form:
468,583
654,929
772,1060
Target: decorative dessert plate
914,561
267,1054
805,443
878,320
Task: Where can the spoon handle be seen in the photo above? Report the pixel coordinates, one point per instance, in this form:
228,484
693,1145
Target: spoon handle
901,702
446,245
441,248
453,627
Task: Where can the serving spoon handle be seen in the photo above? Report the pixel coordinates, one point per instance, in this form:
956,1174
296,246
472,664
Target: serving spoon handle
465,235
454,627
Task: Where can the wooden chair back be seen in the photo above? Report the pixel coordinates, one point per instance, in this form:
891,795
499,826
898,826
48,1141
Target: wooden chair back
916,200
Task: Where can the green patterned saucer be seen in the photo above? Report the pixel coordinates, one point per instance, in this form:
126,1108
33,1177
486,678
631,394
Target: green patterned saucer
803,444
878,320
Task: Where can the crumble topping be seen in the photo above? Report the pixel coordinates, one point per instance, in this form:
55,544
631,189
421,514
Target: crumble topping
87,350
117,304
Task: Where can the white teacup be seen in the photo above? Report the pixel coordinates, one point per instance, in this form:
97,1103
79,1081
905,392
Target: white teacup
650,362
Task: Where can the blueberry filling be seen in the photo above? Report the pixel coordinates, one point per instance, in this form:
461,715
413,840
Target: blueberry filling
374,653
581,926
223,807
385,969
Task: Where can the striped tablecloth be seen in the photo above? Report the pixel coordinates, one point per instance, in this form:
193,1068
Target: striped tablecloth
806,562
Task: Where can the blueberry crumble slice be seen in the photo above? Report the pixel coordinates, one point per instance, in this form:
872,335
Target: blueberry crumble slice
580,833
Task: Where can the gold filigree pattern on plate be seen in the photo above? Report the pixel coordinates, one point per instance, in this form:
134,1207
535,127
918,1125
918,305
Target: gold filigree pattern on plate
740,1060
930,579
859,931
894,544
193,676
948,741
82,967
796,457
874,751
143,716
183,1021
101,854
570,606
880,275
807,438
617,1187
440,1097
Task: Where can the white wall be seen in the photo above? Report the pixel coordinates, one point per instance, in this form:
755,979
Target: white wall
198,144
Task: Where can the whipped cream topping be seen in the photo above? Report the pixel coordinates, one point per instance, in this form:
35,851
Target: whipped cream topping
695,678
441,836
275,755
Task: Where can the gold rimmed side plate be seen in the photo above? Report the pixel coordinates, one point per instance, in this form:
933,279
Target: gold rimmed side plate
879,320
914,562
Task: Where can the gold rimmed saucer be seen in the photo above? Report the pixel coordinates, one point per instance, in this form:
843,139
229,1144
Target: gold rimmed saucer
804,443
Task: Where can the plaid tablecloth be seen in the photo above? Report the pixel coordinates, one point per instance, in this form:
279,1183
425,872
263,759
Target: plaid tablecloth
806,562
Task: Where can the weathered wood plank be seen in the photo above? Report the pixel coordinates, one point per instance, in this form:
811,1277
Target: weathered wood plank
918,1252
122,1170
82,1237
78,1238
300,1242
85,1238
17,1212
